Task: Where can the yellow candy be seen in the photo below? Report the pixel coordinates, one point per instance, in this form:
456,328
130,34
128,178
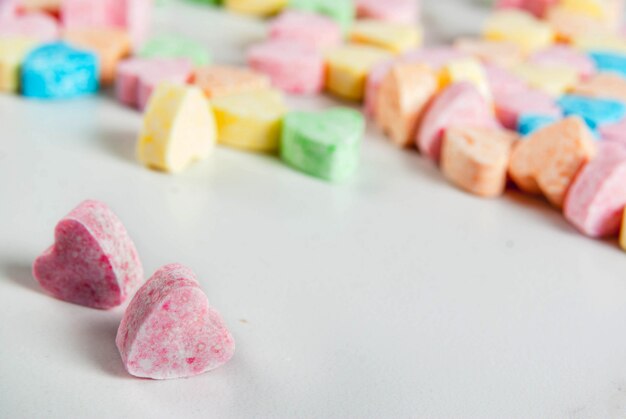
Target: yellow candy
178,128
554,80
520,28
601,42
622,237
395,37
12,53
599,9
466,70
250,121
348,67
256,7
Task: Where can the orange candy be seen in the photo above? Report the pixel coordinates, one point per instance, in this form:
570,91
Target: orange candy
547,161
218,81
603,85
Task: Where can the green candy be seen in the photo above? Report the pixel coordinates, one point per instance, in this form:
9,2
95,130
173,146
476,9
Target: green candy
171,46
342,11
323,144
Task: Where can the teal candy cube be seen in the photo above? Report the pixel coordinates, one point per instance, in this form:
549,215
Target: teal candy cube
171,46
342,11
323,144
609,62
595,112
59,71
529,123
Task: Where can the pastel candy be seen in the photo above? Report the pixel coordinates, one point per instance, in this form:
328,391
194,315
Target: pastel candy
610,62
501,53
548,160
434,57
38,26
59,71
342,11
404,95
595,112
8,8
323,144
614,132
520,28
307,28
622,237
394,37
178,128
109,44
169,330
569,25
476,159
503,83
217,81
468,70
529,123
537,7
93,262
12,53
171,46
291,66
609,12
398,11
510,108
250,121
348,69
596,200
136,78
607,42
560,56
554,80
256,7
459,104
51,7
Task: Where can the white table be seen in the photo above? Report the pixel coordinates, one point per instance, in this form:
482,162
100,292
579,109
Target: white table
393,295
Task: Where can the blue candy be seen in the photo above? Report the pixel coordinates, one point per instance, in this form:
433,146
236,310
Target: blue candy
59,71
608,61
529,123
595,112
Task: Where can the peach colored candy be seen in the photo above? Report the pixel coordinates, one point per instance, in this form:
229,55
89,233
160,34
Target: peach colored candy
397,11
603,85
137,77
564,56
110,44
459,104
38,26
547,161
217,81
308,28
568,24
476,159
93,261
169,330
404,94
502,53
595,202
291,66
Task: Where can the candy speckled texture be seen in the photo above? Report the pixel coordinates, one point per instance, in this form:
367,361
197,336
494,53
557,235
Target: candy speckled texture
178,128
596,200
93,261
59,71
548,160
169,330
323,144
459,104
306,28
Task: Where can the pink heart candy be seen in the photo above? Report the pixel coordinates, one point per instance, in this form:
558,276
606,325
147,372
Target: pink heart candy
170,331
93,261
39,26
137,77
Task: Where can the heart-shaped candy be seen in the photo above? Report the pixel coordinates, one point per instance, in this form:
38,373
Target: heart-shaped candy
170,331
323,144
93,261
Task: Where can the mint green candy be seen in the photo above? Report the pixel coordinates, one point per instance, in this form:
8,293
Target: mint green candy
342,11
171,46
323,144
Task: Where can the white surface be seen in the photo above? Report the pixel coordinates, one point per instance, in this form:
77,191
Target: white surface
393,295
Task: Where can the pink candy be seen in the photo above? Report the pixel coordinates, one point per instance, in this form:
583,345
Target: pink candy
595,202
564,56
614,132
459,105
307,28
137,78
8,9
39,26
291,66
400,11
170,331
93,261
537,7
510,107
